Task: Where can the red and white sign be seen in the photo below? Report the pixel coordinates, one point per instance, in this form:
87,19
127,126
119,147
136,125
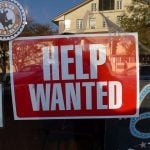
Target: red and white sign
75,76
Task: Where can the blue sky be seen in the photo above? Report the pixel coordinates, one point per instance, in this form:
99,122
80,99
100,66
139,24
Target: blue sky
42,11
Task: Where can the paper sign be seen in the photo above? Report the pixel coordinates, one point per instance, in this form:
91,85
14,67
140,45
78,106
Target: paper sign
75,76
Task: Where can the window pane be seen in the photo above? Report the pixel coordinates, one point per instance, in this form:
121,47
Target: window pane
93,7
67,24
79,23
119,4
92,23
106,4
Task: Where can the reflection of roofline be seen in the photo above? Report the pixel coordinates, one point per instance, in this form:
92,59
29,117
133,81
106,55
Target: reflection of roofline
70,10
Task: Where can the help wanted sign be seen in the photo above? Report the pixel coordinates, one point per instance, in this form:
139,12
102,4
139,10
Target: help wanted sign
75,76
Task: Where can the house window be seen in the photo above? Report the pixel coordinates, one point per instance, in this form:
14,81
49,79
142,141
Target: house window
67,24
79,23
92,23
119,4
93,7
106,5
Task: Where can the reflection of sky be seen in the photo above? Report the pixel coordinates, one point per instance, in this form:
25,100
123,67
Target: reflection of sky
43,11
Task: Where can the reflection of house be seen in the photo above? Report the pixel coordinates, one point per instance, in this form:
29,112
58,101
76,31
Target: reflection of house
95,16
88,17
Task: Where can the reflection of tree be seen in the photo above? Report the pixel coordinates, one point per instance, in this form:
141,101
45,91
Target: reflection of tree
27,52
124,45
36,29
135,20
31,29
4,56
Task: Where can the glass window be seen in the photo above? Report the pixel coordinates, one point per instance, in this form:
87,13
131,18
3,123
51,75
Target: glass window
92,23
79,24
106,5
119,4
50,67
67,24
93,7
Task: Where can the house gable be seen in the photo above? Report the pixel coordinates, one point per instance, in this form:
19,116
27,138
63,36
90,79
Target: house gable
89,16
61,16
